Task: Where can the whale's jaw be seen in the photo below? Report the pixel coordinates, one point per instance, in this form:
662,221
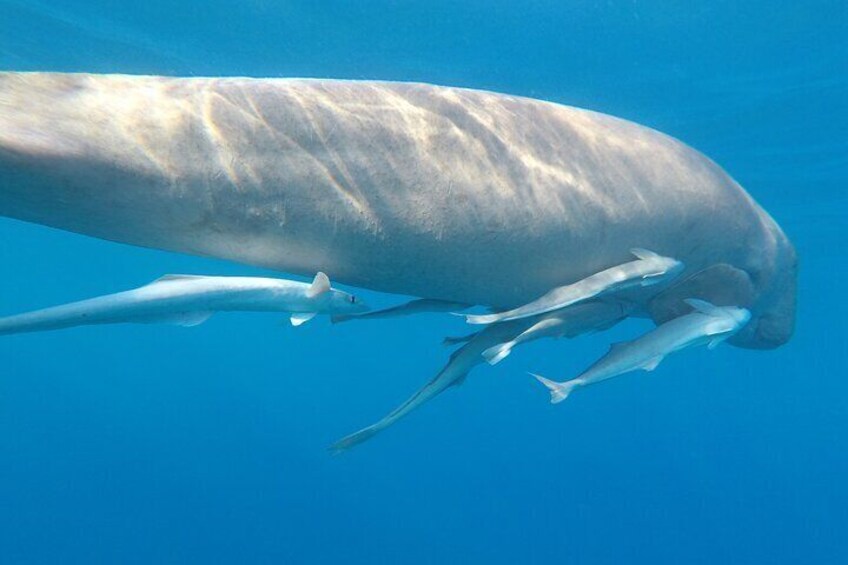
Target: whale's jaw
773,322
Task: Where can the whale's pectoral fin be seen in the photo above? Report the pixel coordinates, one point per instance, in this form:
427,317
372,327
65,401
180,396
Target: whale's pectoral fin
319,286
720,284
185,319
300,318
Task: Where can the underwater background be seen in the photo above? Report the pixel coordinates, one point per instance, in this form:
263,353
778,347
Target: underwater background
153,444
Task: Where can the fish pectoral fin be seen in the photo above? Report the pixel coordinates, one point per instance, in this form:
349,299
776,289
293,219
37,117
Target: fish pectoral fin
716,341
641,253
649,276
300,318
498,353
184,319
479,319
651,364
320,285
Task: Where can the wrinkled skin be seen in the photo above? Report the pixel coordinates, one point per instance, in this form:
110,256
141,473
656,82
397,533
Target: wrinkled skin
440,193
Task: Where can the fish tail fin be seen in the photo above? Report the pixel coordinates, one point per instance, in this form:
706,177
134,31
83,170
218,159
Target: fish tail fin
559,391
353,440
497,353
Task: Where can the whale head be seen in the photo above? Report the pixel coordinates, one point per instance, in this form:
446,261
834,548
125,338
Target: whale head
773,309
762,283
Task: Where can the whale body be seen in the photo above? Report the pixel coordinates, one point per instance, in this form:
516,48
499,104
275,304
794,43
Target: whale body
435,192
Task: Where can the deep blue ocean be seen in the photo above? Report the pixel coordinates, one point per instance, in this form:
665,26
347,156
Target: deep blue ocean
158,444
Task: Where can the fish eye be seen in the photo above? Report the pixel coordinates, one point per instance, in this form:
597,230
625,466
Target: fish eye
352,299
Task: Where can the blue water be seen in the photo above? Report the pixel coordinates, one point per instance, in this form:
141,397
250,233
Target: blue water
149,444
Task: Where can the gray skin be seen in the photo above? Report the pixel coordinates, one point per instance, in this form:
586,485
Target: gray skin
189,300
649,269
707,324
439,193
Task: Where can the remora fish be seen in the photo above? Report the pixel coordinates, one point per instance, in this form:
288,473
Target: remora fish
707,324
189,300
648,269
464,359
569,322
461,362
418,306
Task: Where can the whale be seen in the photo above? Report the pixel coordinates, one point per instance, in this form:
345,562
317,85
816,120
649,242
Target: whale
439,193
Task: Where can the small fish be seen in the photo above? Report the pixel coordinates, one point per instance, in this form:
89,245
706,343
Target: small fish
648,269
189,300
568,322
470,354
461,362
707,324
418,306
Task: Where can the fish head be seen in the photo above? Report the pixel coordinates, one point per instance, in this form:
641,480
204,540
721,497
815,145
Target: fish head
345,303
736,316
662,269
671,267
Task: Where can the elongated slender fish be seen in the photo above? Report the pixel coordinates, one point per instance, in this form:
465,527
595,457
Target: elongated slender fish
648,269
418,306
706,324
462,361
569,322
189,300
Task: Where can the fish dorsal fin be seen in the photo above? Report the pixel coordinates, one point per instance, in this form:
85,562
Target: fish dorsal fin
320,285
300,318
643,253
652,363
703,306
165,278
